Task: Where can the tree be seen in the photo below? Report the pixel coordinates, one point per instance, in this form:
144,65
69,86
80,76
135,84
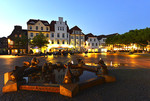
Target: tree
21,42
39,41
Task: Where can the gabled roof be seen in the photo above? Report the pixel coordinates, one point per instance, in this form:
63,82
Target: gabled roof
113,34
74,28
34,21
89,35
52,26
101,36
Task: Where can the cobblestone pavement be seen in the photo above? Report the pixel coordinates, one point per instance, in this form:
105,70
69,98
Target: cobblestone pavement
132,84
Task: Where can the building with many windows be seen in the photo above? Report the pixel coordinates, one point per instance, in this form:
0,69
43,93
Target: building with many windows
77,38
3,45
34,27
92,43
59,35
17,41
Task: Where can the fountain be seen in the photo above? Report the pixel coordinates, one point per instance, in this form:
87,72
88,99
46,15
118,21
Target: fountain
66,79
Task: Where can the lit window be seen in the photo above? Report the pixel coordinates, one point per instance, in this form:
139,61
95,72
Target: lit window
16,35
41,28
20,35
31,34
57,41
63,35
36,27
88,44
52,35
58,35
47,35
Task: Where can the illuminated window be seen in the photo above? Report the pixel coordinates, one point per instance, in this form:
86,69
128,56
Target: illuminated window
20,35
16,35
88,44
31,34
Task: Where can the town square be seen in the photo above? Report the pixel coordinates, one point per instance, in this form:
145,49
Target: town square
74,50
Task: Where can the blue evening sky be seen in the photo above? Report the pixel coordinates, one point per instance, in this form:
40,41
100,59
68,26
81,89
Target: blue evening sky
92,16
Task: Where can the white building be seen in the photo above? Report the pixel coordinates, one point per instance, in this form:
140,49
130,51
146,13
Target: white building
77,38
59,37
92,43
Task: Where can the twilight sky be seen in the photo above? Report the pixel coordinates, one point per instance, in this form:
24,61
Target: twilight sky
92,16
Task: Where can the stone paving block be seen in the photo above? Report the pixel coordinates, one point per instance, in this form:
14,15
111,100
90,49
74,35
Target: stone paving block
69,90
91,82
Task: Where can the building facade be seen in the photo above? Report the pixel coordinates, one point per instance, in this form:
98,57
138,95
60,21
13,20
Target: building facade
3,45
34,27
17,41
92,43
77,39
59,37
